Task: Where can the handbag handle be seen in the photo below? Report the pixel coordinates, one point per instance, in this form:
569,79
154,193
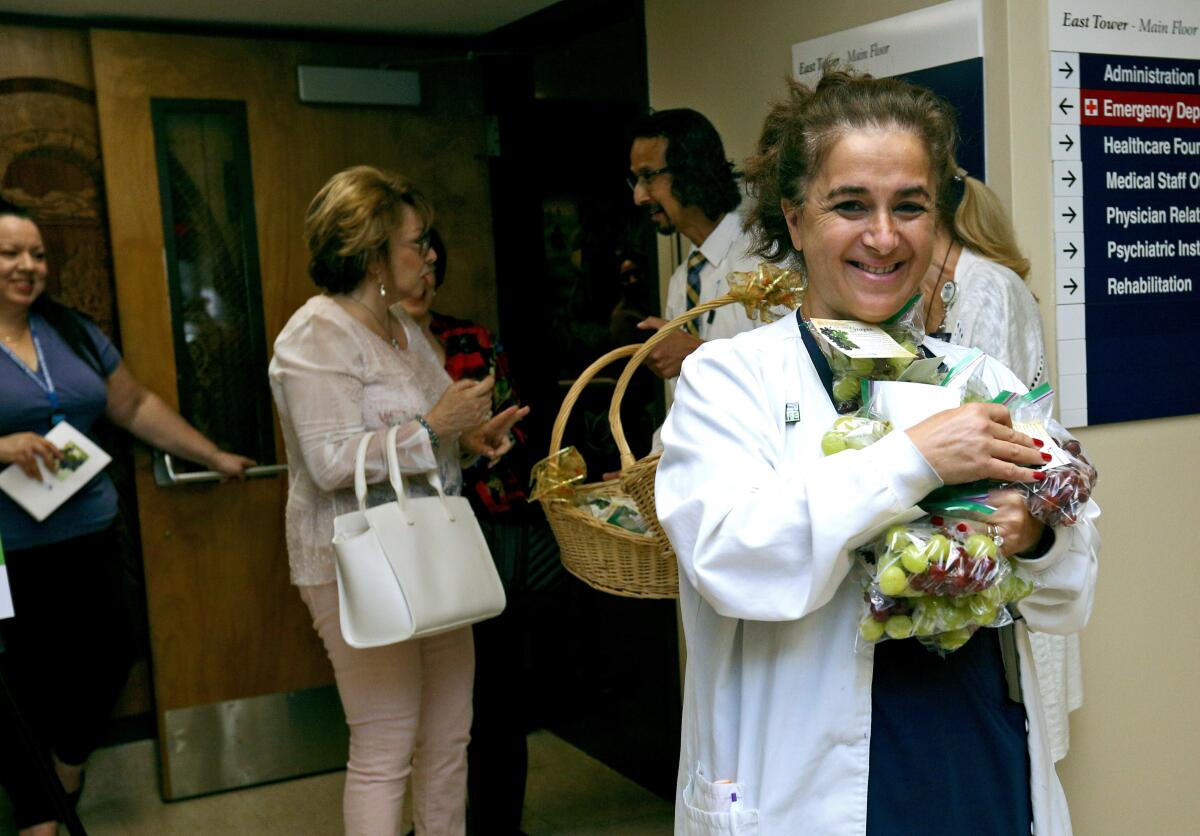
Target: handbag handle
360,471
396,477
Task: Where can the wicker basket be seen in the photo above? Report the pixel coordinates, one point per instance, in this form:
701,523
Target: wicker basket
602,555
637,475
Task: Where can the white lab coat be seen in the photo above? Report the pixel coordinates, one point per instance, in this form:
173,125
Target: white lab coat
776,699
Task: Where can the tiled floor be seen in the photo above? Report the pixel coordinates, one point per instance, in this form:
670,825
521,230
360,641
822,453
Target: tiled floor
569,794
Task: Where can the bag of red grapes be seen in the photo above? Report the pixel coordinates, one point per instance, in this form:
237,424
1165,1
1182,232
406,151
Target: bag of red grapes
937,579
1069,478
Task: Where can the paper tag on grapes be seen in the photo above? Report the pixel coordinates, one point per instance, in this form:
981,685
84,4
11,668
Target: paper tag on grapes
858,339
1037,429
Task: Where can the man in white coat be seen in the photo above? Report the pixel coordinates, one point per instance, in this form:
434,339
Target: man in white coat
679,173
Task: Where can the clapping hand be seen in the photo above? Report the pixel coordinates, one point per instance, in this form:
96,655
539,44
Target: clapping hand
493,439
464,406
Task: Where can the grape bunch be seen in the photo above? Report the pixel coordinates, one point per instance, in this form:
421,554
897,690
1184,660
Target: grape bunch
854,432
1058,499
938,581
849,373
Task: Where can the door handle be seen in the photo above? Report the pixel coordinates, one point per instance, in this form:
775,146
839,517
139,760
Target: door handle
166,477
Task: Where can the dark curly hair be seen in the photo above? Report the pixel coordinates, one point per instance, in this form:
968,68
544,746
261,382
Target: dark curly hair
349,220
800,131
701,175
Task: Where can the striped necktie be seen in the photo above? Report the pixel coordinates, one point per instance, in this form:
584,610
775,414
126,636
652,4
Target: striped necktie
695,264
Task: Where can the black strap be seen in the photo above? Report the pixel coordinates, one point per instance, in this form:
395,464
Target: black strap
814,353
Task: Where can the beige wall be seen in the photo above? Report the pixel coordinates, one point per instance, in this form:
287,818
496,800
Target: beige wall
1133,758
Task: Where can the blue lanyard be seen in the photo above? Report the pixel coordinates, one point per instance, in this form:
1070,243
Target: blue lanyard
42,377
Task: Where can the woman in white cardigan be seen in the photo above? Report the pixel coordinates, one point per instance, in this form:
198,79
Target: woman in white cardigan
350,364
786,728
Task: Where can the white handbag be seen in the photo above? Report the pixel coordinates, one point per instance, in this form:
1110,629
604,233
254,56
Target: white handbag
413,567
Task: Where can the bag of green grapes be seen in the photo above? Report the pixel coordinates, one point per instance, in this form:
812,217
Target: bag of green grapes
937,579
858,429
887,405
859,351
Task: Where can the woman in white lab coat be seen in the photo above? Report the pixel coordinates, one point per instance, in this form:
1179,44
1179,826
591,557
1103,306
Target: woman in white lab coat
787,729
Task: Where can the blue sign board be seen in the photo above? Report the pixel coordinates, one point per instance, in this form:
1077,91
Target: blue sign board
1127,220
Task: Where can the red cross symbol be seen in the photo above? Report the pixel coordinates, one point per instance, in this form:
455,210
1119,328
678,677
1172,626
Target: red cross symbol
1091,107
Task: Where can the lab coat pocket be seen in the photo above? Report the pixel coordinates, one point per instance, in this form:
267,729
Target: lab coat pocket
717,809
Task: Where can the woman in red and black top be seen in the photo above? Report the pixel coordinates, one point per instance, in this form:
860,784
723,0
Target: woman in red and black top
526,556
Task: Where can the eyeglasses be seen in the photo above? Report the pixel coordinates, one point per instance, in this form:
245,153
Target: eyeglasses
643,178
422,244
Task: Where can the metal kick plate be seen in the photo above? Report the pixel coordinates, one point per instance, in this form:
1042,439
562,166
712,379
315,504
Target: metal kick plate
238,743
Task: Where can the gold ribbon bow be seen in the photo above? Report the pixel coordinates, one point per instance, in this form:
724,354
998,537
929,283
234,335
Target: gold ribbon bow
554,475
767,288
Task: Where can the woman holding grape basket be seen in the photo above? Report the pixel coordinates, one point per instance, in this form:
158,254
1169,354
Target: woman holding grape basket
843,674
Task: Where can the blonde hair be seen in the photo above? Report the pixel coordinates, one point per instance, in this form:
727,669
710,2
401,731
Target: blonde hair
981,223
349,220
800,131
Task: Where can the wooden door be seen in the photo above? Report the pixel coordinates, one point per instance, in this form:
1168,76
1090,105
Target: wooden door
241,682
50,164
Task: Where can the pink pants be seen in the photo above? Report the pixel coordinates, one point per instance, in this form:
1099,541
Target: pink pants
408,706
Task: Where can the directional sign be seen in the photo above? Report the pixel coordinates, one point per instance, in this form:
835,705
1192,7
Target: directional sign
1064,140
1064,105
1068,249
1064,69
1125,151
1068,214
1066,178
1069,287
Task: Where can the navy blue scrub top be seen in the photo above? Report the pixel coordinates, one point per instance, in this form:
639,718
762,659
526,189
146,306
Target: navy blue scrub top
949,751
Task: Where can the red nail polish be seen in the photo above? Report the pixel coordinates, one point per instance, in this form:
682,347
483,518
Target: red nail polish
1038,476
1046,457
1037,442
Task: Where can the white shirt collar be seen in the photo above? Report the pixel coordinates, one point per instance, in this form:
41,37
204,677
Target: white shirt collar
716,246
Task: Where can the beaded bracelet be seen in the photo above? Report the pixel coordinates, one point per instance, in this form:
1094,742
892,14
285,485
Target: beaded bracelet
433,437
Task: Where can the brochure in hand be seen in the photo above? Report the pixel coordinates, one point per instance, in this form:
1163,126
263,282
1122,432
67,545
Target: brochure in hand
81,461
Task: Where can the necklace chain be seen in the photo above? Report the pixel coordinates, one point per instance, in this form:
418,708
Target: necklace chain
384,324
939,288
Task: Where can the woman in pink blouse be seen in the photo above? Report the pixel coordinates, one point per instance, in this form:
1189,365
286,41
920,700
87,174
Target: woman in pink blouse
348,363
